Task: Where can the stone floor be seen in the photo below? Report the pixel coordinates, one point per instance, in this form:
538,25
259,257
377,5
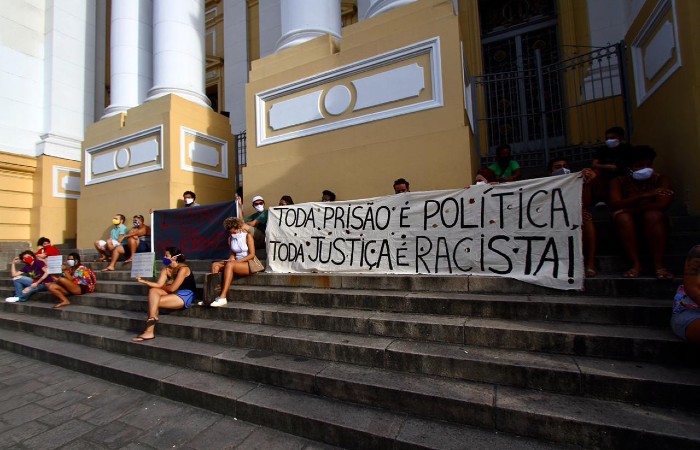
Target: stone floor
47,407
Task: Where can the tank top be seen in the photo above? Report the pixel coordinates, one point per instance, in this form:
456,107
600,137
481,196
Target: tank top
188,283
239,245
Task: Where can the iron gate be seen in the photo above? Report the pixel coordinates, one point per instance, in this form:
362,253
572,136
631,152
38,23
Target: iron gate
558,109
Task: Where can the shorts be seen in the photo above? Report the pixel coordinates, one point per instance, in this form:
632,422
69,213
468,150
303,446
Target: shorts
187,296
83,288
681,320
144,246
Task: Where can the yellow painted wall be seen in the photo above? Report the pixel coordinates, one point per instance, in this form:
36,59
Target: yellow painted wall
669,120
429,148
160,189
52,217
16,188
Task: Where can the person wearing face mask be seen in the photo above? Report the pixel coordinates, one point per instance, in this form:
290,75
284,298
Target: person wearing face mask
560,166
505,167
107,247
256,223
32,278
639,200
608,163
77,280
174,289
135,241
484,176
242,250
189,198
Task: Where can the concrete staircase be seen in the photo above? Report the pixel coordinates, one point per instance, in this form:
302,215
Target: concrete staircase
369,361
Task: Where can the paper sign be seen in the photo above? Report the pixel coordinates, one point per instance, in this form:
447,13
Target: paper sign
142,265
53,264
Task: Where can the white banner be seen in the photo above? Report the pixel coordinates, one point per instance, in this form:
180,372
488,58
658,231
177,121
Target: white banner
528,230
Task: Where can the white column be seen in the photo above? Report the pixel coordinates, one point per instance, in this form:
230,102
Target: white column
131,54
303,20
381,6
178,50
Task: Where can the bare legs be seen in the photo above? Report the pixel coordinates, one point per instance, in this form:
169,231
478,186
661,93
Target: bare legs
654,229
63,287
589,244
117,250
157,298
231,268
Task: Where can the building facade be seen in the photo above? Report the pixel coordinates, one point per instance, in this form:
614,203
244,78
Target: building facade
120,106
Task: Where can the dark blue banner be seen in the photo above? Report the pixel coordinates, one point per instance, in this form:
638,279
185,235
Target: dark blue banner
198,230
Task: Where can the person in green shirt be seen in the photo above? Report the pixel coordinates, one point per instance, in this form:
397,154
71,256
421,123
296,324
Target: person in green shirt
505,168
256,223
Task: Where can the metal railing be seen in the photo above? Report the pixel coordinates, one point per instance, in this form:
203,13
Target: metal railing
558,109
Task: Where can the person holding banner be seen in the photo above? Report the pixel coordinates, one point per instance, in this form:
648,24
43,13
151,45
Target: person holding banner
242,251
256,223
77,280
174,289
46,249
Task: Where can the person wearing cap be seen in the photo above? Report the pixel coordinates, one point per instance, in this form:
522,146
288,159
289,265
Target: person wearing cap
256,223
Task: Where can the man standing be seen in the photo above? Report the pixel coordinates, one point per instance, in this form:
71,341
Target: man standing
401,186
256,223
189,197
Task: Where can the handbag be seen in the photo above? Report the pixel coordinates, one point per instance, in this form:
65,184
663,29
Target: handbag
255,265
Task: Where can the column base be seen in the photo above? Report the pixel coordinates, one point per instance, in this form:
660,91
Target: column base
192,96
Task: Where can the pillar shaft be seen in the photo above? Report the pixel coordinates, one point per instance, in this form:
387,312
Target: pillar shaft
303,20
178,50
131,54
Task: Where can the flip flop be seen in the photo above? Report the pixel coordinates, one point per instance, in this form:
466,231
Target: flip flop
61,305
591,273
632,273
663,274
107,269
141,339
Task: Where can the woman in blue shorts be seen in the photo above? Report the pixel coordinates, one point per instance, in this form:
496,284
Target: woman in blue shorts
685,320
174,289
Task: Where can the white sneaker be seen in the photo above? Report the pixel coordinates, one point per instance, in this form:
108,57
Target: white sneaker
221,301
200,303
12,299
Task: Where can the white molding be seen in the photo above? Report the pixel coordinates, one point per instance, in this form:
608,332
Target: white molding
57,170
430,47
116,146
219,144
645,37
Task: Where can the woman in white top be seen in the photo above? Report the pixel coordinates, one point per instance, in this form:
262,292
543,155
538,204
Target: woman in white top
242,251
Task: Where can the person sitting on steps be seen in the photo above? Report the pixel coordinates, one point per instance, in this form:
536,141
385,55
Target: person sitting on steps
174,289
242,251
639,199
77,280
685,320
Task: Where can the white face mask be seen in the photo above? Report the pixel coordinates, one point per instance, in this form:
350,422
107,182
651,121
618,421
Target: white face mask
562,171
612,143
259,208
480,183
643,174
70,262
189,201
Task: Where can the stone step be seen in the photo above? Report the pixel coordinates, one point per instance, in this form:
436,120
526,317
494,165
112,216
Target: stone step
552,372
598,340
583,421
333,422
581,309
608,286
